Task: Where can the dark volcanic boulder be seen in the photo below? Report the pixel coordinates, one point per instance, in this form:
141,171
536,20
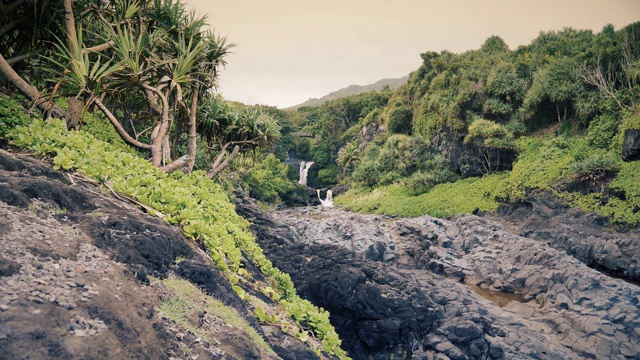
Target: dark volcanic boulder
631,145
472,158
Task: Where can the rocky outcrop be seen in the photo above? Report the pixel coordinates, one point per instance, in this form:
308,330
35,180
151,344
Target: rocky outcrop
631,145
472,158
411,287
587,237
81,278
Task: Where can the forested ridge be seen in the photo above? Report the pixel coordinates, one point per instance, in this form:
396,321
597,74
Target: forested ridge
123,93
476,129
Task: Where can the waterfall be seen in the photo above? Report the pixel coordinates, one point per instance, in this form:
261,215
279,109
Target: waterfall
328,201
304,169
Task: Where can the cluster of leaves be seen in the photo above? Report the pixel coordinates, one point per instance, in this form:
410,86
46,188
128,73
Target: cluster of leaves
11,115
493,135
190,200
400,157
267,180
596,167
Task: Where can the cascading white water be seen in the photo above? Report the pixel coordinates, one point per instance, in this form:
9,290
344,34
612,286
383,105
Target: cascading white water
328,201
304,169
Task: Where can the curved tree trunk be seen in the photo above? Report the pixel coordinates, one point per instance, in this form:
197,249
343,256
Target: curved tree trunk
218,166
27,90
116,124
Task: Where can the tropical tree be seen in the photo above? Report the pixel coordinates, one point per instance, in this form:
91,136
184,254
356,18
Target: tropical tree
158,57
25,28
230,131
348,155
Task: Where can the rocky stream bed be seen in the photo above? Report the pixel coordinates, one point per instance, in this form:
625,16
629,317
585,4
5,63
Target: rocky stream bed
467,287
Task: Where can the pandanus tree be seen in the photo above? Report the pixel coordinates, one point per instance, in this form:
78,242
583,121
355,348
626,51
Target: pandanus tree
25,28
154,56
230,131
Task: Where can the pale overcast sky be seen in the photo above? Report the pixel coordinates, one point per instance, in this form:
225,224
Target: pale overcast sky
292,50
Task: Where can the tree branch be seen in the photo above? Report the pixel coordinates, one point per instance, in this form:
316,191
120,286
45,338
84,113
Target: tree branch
98,48
217,169
28,90
116,124
177,164
11,25
19,58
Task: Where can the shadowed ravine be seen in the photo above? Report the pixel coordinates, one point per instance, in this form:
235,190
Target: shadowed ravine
403,287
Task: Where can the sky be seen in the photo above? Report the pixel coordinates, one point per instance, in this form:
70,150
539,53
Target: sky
291,50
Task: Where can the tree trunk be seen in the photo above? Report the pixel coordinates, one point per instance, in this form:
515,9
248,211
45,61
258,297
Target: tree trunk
74,112
72,36
192,145
217,166
27,90
162,127
76,104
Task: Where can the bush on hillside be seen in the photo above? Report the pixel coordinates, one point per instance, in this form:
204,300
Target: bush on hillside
399,121
267,180
11,115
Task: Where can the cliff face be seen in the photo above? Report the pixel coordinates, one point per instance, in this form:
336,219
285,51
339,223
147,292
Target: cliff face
84,275
470,159
464,288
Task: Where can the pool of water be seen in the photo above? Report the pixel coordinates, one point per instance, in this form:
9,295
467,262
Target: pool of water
500,298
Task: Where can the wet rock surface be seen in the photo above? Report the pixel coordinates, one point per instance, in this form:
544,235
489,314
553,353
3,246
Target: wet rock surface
419,302
75,274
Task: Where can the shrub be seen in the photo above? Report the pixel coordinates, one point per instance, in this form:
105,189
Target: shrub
601,132
493,135
436,171
328,175
398,157
12,114
426,124
267,180
399,121
595,167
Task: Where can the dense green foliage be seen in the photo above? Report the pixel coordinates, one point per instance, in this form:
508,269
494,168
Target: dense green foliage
267,180
543,164
562,102
11,114
399,157
191,200
333,125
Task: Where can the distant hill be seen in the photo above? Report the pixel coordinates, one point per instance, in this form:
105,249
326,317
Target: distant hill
353,90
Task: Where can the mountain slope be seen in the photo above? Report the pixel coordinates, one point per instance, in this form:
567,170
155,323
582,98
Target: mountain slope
353,90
